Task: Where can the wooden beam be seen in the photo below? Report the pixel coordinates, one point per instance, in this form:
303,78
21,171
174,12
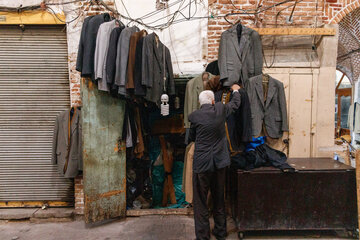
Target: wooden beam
342,77
31,17
296,31
161,211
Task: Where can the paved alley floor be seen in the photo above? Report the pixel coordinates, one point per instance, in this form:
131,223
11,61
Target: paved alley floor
132,228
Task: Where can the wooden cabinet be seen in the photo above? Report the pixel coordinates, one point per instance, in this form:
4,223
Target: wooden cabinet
320,195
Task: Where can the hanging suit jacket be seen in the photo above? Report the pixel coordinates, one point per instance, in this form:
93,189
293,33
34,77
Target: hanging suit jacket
208,132
122,57
153,69
101,50
354,117
111,54
87,44
67,149
135,37
273,112
239,61
193,89
140,90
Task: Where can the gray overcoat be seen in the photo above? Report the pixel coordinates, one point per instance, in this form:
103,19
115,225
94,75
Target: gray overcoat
239,61
65,147
272,112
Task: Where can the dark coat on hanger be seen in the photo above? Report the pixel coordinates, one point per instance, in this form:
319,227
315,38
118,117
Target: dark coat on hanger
208,132
111,55
63,149
87,44
272,112
239,61
153,69
140,90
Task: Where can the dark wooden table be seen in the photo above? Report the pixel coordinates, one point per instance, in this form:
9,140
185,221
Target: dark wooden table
321,195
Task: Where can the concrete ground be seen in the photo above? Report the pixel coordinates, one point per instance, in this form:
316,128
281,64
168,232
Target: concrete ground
131,228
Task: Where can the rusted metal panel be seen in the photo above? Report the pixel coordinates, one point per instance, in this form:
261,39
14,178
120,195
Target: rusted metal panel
104,160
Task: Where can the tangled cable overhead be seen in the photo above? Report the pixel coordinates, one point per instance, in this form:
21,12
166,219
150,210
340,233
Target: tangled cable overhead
172,18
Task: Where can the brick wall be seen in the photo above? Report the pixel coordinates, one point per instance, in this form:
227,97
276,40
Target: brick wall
307,13
79,195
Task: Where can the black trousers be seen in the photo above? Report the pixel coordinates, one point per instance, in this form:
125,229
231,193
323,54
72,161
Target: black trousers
202,183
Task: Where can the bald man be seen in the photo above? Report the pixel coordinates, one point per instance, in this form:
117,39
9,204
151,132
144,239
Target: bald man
211,157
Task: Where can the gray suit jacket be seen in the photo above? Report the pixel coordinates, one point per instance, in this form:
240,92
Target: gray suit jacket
272,112
153,69
208,131
122,57
62,148
239,61
101,50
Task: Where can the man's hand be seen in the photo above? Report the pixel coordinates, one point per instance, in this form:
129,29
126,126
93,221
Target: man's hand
235,87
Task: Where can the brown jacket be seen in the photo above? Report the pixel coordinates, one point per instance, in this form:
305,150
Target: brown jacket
135,37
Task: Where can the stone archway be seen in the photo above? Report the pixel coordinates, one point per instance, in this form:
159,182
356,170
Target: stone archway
348,58
333,12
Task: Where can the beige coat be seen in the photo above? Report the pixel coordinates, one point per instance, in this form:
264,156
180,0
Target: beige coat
67,145
193,89
188,173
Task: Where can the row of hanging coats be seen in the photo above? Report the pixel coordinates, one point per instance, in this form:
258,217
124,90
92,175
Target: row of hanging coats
262,112
263,104
124,60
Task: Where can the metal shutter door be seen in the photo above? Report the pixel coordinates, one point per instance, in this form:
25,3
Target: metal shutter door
34,89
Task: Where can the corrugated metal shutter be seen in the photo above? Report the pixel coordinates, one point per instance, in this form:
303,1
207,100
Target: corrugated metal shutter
34,88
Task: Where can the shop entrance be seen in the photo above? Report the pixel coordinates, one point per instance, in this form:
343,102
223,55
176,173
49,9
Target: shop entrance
114,180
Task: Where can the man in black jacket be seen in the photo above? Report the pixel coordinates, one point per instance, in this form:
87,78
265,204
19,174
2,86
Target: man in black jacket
211,156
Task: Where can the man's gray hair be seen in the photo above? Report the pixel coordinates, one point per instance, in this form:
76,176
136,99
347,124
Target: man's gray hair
206,97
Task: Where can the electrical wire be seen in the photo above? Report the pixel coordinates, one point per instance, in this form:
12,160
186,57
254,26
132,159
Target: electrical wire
122,2
66,22
172,20
172,14
64,3
172,46
159,10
